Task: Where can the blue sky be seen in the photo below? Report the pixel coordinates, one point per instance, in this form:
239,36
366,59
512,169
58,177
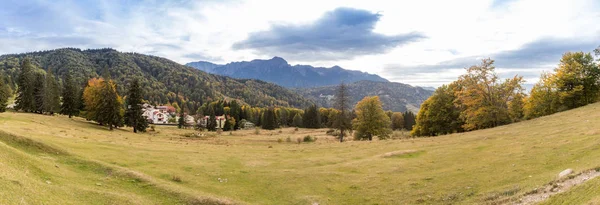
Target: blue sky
425,43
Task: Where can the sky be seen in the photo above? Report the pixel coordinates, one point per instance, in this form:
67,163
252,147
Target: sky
424,43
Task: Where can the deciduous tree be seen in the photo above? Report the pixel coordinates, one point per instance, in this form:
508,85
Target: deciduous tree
371,120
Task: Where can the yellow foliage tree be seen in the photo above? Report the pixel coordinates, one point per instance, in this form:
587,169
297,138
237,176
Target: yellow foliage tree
371,120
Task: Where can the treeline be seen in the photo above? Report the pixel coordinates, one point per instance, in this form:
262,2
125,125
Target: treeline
479,99
163,81
40,92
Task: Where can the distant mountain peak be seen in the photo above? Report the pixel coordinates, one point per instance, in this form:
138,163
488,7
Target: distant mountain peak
277,70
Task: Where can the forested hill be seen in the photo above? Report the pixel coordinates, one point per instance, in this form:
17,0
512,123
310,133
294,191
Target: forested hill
280,72
163,80
394,96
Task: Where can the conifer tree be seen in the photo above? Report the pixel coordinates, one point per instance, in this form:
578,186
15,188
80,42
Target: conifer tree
269,121
110,110
133,114
211,125
342,103
5,93
39,89
311,118
70,97
181,121
25,98
51,94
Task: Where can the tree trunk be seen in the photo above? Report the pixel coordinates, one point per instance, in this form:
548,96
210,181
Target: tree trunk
370,137
341,135
110,127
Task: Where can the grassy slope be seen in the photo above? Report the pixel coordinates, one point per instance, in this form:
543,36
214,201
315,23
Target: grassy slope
462,168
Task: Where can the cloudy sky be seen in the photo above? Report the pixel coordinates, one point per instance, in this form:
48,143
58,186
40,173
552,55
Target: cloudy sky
426,42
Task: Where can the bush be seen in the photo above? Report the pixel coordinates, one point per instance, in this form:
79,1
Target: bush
152,128
289,139
299,140
309,138
279,140
333,132
296,129
176,179
256,131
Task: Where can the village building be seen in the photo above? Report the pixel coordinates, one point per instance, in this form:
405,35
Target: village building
219,119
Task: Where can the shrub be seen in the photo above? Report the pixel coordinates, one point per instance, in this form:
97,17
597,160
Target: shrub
299,140
176,179
256,131
280,131
333,132
309,138
152,128
289,139
296,129
279,140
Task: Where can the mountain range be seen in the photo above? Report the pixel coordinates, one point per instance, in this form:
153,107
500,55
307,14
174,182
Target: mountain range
279,71
319,84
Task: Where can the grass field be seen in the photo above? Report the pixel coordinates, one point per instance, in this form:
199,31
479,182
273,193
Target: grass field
56,160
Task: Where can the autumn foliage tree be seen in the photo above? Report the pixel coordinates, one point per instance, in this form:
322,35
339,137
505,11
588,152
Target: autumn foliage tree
484,97
371,120
102,103
574,83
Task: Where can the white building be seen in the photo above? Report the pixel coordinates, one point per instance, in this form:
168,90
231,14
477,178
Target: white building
155,116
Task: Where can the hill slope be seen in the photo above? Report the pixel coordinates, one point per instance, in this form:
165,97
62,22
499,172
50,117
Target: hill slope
163,80
280,72
492,166
394,96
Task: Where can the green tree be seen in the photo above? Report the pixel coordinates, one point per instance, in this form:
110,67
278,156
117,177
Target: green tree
181,121
397,121
516,107
269,121
371,120
25,99
438,114
297,120
5,93
410,120
577,80
39,93
543,99
110,107
133,114
342,120
51,94
311,118
70,97
211,125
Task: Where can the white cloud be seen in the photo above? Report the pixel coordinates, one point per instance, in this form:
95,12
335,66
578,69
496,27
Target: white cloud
206,30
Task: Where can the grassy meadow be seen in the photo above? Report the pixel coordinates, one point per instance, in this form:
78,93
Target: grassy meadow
57,160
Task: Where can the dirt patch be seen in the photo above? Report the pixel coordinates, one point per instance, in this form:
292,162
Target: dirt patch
557,187
399,153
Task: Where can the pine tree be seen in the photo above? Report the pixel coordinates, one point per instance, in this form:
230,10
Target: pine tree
5,93
269,121
371,120
409,120
110,110
70,97
342,104
181,121
133,114
211,125
311,118
39,93
51,94
25,98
